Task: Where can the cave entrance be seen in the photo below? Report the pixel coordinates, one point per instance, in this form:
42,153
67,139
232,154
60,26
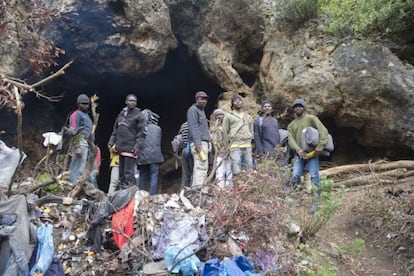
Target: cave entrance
168,93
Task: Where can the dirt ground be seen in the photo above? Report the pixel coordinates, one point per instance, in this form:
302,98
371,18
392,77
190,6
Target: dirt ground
341,230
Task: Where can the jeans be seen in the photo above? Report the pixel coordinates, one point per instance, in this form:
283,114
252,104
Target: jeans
150,172
224,173
127,167
311,164
187,165
241,159
114,179
78,163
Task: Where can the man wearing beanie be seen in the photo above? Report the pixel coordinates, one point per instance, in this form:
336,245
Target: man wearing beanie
266,132
80,121
199,137
238,135
224,173
303,120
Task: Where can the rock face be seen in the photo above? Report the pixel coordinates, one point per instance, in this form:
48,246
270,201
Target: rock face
355,84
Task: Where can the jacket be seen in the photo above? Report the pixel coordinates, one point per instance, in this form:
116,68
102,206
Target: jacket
129,131
266,135
296,127
79,119
197,125
151,150
237,129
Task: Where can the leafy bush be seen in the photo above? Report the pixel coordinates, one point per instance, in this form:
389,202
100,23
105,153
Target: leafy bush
293,14
367,17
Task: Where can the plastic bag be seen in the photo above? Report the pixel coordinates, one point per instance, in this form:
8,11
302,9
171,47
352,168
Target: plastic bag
9,160
44,254
187,267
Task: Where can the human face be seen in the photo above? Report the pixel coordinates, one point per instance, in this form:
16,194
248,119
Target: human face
237,104
84,106
267,108
131,102
201,101
298,110
219,117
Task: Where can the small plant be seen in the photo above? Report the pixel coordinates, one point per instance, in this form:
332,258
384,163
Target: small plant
328,203
353,249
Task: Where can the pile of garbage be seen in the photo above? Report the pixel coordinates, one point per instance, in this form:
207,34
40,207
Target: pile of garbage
128,232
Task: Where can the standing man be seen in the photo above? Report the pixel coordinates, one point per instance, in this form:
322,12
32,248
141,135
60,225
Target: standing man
238,134
295,128
224,173
266,132
150,157
79,121
128,137
199,137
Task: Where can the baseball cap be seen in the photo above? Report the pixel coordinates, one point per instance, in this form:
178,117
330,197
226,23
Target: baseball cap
201,94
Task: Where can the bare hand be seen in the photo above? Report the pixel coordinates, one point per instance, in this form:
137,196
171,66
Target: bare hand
302,154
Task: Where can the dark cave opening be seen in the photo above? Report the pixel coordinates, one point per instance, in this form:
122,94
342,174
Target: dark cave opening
169,93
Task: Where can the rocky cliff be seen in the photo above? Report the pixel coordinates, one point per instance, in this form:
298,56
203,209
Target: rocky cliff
356,85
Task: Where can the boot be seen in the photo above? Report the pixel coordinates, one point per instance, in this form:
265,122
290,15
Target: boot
315,201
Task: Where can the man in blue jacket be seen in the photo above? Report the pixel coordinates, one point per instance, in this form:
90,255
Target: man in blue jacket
128,137
80,122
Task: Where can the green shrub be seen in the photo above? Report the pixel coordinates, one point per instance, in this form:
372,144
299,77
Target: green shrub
293,14
328,204
367,17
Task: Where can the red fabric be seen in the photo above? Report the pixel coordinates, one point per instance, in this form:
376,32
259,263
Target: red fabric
73,119
123,222
98,159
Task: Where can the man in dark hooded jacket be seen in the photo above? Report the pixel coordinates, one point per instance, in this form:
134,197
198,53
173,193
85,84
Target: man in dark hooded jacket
128,137
150,157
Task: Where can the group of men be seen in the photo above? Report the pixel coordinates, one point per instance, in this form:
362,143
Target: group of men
232,135
135,142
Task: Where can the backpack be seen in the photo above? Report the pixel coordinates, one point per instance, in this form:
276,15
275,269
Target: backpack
177,144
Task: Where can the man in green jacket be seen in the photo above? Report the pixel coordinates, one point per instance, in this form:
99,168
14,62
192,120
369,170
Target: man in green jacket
238,135
310,160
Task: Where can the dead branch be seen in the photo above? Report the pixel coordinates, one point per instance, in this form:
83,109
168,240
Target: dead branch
378,166
57,179
368,179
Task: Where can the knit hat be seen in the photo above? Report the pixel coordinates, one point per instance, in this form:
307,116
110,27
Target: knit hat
234,98
82,98
218,111
299,102
266,102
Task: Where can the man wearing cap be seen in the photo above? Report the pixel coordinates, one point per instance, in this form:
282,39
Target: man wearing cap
199,137
81,123
238,135
266,132
303,120
128,136
224,173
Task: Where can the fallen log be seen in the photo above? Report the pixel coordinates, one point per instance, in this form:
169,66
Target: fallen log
370,167
379,178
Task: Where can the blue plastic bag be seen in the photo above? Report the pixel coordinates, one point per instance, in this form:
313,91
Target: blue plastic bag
44,254
187,267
